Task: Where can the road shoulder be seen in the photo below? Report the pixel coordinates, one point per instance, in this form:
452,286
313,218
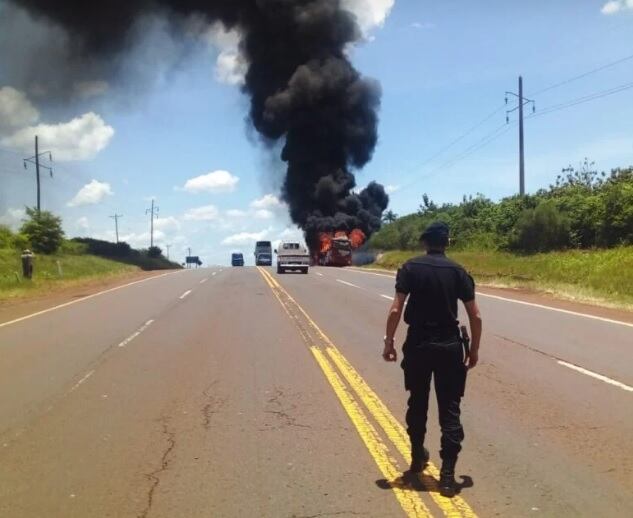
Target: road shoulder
540,298
19,307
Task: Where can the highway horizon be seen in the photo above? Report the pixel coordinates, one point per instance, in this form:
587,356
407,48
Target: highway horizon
241,392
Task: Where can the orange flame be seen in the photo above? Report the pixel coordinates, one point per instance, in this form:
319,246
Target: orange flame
325,242
357,237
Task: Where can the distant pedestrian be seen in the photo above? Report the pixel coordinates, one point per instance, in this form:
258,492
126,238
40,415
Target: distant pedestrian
27,264
434,346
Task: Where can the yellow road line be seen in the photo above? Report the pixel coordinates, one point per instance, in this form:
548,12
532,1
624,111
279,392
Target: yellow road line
408,498
454,507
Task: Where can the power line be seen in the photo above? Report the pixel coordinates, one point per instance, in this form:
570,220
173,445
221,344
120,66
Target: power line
473,148
584,74
462,136
581,100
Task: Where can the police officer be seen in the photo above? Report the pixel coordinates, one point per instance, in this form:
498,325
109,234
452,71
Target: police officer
434,347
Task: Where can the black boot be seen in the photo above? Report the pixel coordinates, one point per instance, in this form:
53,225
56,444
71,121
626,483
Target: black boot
448,486
419,459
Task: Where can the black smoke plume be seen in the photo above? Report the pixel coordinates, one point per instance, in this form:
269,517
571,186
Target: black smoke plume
301,84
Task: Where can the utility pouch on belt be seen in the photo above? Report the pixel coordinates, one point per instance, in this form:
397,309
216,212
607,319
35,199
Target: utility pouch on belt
465,341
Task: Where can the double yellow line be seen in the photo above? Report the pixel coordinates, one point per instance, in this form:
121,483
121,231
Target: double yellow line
329,359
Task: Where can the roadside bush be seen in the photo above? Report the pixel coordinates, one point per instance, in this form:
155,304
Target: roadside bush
20,242
542,229
43,230
6,237
73,248
588,209
154,251
105,248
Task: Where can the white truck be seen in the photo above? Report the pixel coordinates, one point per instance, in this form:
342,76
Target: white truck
292,256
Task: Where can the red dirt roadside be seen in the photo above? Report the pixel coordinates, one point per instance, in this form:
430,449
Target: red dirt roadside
21,306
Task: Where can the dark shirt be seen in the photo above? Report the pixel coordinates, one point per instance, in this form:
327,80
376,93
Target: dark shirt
434,283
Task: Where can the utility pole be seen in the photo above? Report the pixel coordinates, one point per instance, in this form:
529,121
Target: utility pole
168,247
35,159
153,212
116,225
188,255
521,102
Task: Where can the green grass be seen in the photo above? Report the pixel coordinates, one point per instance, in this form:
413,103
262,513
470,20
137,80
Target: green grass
75,269
597,276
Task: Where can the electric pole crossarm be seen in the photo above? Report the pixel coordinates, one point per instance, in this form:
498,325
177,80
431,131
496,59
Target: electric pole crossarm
522,101
153,212
116,225
35,159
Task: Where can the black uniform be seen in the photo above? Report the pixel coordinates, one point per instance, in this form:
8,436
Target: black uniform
433,345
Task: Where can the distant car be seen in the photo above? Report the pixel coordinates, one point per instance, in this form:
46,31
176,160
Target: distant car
263,253
292,256
237,259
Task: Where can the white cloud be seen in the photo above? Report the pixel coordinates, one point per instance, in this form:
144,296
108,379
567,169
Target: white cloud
91,193
615,6
230,67
369,13
166,224
263,214
12,218
78,139
245,238
142,239
16,111
268,201
236,213
204,213
87,89
390,189
215,181
82,223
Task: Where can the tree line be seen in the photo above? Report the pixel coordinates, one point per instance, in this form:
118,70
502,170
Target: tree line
42,232
583,209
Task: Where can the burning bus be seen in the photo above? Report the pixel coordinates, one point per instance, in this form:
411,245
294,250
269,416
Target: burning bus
336,248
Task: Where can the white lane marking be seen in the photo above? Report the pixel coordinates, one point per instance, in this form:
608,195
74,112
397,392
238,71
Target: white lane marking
136,333
559,310
82,380
70,303
215,273
348,283
596,375
184,294
389,297
204,280
319,274
516,301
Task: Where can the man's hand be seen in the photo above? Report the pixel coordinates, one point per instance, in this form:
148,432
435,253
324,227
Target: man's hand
473,358
389,353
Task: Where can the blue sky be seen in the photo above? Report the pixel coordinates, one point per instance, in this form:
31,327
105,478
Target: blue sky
443,67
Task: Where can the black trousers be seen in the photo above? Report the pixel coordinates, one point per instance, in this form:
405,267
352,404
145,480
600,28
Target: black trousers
444,361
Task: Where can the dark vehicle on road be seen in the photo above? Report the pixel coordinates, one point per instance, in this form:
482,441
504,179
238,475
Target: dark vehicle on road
237,259
263,253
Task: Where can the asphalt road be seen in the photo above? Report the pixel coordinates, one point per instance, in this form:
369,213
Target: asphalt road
240,392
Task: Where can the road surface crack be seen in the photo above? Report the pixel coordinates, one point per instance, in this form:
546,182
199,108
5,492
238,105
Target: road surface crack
213,405
281,413
154,476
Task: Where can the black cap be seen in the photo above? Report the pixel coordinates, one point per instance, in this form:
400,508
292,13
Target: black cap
436,232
